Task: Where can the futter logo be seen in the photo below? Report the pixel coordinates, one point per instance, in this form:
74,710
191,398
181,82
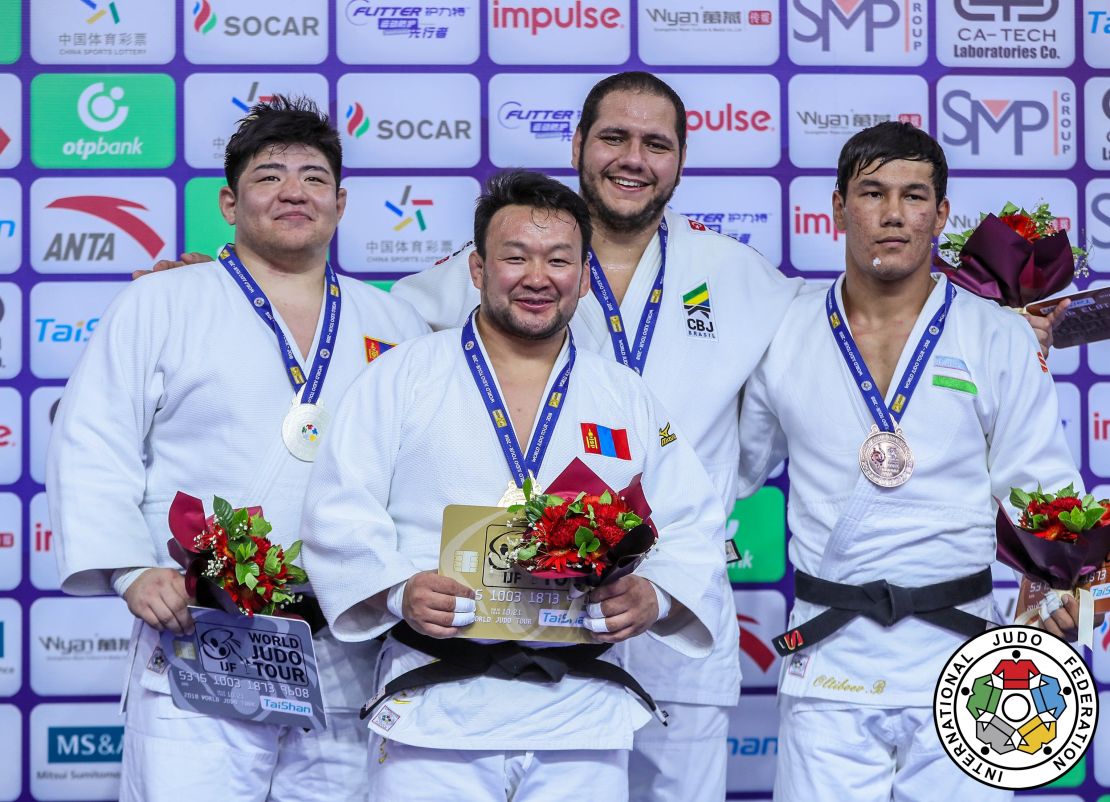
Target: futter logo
868,32
1015,707
98,121
374,32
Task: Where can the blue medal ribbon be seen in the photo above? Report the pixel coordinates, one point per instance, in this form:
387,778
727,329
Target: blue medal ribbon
314,383
628,356
886,418
519,465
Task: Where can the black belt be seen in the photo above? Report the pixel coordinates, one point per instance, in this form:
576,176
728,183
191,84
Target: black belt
885,604
459,659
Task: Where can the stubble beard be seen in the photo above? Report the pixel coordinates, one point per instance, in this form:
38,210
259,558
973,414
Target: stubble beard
615,221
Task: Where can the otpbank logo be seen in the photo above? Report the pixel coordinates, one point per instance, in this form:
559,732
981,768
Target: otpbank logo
1003,123
91,121
256,31
864,32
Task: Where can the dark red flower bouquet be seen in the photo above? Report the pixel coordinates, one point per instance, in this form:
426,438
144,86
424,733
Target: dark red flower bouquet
589,533
245,572
1013,258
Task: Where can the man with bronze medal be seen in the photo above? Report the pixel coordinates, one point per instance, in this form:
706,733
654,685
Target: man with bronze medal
894,467
519,719
188,387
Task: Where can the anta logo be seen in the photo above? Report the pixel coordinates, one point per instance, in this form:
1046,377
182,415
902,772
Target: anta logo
101,245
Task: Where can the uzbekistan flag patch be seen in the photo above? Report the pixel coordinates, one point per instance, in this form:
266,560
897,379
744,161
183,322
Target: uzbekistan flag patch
605,441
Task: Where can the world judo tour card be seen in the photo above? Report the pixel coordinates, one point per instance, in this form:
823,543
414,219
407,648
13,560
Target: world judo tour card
257,668
510,603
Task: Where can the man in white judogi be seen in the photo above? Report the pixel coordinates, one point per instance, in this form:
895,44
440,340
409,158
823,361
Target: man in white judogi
941,377
415,435
184,388
707,307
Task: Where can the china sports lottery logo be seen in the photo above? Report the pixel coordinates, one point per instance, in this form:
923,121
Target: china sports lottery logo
1015,707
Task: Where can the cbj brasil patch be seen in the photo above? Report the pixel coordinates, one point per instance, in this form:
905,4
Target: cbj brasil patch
699,313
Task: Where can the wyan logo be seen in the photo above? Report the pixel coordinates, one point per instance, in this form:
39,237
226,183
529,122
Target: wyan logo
682,33
992,126
990,32
122,120
407,217
539,122
858,31
693,20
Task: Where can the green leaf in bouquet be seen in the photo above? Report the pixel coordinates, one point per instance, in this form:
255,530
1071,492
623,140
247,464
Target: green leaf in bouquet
554,501
1067,491
245,550
1038,521
260,527
222,511
280,597
629,520
296,574
1019,498
239,519
242,571
273,562
576,506
1093,516
294,551
527,488
591,516
605,498
1009,208
251,581
527,552
513,509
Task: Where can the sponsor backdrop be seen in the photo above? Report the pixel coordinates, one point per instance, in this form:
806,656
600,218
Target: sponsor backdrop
113,119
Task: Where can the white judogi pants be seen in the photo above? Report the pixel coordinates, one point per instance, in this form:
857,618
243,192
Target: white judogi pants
170,755
416,774
868,755
686,761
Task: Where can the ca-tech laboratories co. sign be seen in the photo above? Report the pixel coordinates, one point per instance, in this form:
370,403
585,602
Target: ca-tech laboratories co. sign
1001,33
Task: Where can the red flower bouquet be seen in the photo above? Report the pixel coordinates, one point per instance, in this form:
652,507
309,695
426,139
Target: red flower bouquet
582,529
245,572
1013,258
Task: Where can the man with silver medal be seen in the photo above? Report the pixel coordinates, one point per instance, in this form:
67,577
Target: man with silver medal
186,387
893,471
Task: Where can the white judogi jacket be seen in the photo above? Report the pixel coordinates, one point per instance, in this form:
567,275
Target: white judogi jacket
183,388
413,436
969,446
697,376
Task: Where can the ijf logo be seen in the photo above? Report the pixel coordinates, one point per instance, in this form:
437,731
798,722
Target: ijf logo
866,32
1000,123
215,102
278,31
990,33
425,32
1015,707
121,121
102,31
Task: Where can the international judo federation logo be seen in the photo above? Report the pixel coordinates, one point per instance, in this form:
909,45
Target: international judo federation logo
310,433
1015,708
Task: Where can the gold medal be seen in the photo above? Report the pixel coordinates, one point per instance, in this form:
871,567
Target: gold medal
303,429
885,458
515,495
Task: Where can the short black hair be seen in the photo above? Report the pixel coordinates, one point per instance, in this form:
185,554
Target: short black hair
887,142
633,81
281,121
527,188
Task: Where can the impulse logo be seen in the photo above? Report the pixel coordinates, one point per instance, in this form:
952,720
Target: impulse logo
204,19
357,121
96,246
418,215
1018,121
539,18
876,15
728,119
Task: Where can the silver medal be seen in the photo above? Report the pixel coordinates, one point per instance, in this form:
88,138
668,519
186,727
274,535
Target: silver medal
303,429
885,458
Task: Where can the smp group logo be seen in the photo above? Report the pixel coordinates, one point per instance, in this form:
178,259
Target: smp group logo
414,120
826,110
11,30
1098,224
40,542
742,32
92,121
731,120
753,743
815,244
748,209
11,330
416,32
102,32
64,316
11,121
76,750
1096,32
533,117
400,225
559,31
858,32
11,435
256,31
760,616
43,409
214,102
1002,33
79,646
11,647
997,123
101,225
11,225
1096,107
11,553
